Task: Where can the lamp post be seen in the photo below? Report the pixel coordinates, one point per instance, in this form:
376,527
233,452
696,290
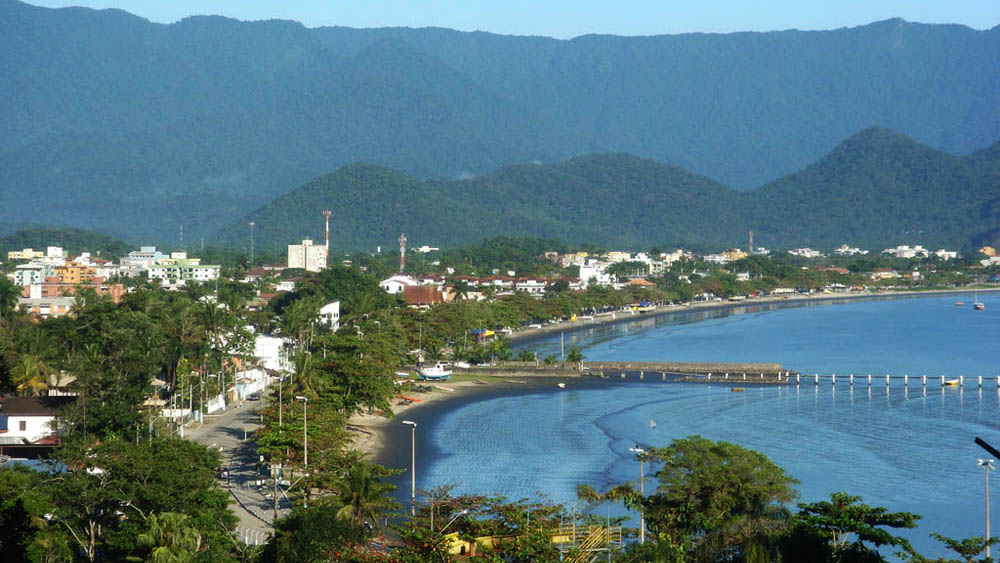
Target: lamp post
987,465
413,466
305,428
639,452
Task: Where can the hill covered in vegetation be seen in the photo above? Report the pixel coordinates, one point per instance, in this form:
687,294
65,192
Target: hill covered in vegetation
134,128
876,188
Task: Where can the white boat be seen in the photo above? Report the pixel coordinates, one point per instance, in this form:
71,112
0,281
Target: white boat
561,385
652,423
438,372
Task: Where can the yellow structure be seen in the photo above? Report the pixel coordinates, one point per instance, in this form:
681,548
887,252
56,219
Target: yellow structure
74,273
988,251
25,254
734,254
581,543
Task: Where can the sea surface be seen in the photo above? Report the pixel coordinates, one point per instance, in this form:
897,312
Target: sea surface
907,449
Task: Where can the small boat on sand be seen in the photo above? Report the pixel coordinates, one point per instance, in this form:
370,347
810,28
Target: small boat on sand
438,372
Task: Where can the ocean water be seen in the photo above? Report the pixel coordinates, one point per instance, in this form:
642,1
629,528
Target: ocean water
906,449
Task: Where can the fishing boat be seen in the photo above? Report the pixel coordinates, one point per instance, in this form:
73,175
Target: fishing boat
978,306
438,372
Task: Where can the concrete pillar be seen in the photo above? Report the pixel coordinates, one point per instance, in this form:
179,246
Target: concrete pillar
906,381
887,380
744,376
816,379
923,381
980,382
961,381
797,378
833,379
850,380
869,380
710,376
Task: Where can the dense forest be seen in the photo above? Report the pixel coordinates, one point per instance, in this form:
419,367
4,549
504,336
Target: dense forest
877,189
133,128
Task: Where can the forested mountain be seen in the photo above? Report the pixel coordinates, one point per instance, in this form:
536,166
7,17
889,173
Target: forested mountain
876,188
133,128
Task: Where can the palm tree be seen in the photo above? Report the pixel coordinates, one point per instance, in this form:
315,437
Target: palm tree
364,496
460,289
172,538
30,375
8,297
575,356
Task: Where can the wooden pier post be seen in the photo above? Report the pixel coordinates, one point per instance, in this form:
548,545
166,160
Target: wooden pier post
762,377
869,380
663,376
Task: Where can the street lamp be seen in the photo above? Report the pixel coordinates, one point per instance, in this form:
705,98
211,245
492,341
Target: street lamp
413,466
305,427
639,453
987,465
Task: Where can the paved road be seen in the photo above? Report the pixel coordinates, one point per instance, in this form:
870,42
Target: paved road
251,504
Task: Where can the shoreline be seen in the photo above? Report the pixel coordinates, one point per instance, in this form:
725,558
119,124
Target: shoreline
382,438
528,335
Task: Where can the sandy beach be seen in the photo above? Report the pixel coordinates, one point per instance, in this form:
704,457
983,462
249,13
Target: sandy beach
373,432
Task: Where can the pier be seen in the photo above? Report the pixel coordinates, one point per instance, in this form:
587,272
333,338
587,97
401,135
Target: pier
773,373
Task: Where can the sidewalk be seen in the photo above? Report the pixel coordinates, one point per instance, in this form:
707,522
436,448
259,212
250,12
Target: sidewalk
231,433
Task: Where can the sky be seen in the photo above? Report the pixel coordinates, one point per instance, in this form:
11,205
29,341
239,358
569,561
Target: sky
570,18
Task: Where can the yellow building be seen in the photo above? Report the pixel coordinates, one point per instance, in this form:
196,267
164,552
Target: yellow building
734,254
26,254
988,250
74,273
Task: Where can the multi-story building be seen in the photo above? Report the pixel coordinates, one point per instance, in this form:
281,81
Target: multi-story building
309,257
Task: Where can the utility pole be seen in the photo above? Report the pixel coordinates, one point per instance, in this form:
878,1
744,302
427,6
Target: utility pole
402,252
252,224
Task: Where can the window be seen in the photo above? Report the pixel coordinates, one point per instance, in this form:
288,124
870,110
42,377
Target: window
23,425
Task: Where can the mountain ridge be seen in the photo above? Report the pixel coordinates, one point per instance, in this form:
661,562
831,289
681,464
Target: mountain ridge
877,188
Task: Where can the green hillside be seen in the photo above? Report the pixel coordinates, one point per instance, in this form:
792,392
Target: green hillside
876,188
123,125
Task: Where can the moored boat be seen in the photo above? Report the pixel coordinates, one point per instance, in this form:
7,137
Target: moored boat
960,303
950,383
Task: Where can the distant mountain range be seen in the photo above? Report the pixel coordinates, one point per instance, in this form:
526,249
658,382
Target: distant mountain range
110,122
876,189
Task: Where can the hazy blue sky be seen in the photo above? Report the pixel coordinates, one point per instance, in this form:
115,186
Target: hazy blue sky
566,19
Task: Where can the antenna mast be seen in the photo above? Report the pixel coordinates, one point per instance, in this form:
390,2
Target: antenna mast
326,215
402,252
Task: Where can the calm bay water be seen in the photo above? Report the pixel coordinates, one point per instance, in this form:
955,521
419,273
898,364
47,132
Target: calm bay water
907,450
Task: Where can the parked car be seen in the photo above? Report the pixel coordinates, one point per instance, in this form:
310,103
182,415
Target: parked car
253,397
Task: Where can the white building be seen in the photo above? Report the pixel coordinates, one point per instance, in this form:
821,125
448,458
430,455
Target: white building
329,315
396,283
31,273
844,250
946,254
806,253
308,256
596,271
184,271
28,420
905,251
269,352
